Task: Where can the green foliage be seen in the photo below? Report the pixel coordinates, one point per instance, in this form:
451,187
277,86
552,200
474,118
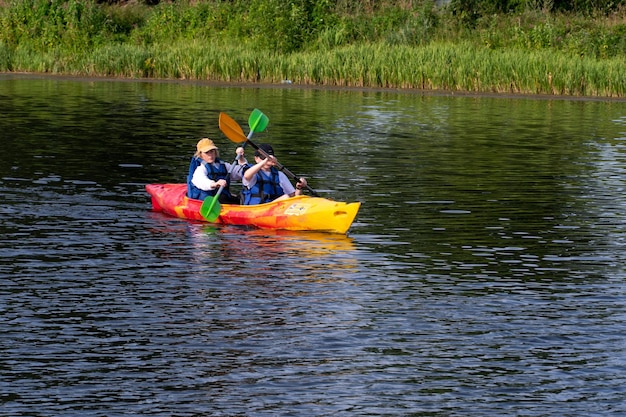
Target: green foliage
469,12
586,7
570,34
395,24
418,28
280,25
169,21
5,58
122,21
73,24
390,43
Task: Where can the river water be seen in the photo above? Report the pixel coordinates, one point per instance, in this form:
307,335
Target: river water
483,276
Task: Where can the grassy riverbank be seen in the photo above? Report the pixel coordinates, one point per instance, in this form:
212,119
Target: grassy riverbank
393,45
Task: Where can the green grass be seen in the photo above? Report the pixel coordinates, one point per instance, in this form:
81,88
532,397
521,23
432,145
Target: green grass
418,47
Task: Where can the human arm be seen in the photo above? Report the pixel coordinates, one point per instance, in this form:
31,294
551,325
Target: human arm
201,180
254,169
288,188
300,185
236,170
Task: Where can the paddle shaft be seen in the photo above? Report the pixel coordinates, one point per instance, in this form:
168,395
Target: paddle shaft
235,162
258,122
215,198
233,131
237,158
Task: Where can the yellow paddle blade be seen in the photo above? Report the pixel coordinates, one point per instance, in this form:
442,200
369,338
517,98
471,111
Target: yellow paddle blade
231,128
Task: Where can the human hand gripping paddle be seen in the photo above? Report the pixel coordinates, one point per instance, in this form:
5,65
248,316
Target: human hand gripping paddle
211,207
233,131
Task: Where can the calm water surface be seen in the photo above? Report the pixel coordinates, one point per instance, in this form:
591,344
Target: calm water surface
484,275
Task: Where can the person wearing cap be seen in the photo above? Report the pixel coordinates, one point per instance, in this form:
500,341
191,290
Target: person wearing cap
207,173
263,182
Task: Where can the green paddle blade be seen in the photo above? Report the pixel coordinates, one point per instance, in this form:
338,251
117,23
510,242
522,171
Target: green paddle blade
211,208
257,121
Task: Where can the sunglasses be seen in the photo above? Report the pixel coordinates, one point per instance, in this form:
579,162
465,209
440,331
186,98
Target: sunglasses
208,152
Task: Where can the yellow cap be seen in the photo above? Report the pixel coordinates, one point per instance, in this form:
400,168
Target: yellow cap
205,145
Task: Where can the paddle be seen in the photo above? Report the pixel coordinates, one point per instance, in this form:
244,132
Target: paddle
257,122
211,207
233,131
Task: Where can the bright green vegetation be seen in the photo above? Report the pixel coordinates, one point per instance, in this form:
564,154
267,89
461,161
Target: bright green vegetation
469,45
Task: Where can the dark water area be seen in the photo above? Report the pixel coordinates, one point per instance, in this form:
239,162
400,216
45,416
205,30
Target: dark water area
483,276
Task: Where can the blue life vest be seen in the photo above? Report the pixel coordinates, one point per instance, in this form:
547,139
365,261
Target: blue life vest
267,188
215,173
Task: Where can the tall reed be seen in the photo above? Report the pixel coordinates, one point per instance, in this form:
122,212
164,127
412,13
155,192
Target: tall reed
391,47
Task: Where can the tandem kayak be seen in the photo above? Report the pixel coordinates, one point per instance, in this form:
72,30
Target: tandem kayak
296,213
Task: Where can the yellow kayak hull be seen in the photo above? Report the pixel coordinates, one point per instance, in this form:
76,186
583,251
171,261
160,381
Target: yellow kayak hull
296,213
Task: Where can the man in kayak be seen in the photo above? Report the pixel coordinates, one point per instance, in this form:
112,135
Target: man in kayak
207,173
263,182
